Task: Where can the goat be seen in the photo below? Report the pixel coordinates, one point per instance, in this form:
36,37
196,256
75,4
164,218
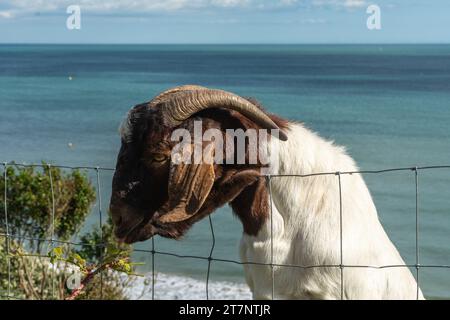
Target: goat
152,195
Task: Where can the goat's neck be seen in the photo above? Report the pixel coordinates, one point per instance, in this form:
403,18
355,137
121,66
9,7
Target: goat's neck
293,198
303,154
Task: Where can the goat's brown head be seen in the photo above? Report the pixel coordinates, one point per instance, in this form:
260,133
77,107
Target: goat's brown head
151,193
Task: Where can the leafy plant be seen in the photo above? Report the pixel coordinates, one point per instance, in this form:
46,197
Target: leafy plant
50,204
115,260
31,195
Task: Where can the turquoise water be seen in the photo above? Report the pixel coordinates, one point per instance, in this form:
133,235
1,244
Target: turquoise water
389,105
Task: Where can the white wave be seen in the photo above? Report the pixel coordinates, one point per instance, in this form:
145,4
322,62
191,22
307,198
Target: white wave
176,287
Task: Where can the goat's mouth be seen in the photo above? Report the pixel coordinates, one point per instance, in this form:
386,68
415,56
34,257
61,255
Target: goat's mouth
127,221
147,228
140,228
140,225
124,232
141,232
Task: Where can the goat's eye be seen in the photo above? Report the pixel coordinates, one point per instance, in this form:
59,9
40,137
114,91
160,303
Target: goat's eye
158,157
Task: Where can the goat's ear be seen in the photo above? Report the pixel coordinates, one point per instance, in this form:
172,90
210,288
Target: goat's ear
189,186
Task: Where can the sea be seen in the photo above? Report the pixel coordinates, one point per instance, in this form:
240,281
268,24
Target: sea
389,105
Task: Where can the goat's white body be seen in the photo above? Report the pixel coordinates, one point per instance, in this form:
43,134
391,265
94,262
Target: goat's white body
306,231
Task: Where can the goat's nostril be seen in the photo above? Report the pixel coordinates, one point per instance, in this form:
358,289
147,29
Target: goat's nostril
122,194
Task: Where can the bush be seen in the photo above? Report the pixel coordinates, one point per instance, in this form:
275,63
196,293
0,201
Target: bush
30,207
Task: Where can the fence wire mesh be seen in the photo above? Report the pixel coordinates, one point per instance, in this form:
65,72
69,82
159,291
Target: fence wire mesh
7,294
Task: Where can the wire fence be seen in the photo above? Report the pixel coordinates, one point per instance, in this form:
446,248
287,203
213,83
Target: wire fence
417,266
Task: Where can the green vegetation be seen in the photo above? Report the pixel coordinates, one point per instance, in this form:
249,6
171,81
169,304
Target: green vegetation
40,269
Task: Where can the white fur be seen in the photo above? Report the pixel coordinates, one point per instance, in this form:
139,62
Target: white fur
306,231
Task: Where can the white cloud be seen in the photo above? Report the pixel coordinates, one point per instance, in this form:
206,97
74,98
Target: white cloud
354,3
341,3
6,14
314,21
108,6
288,2
12,8
230,3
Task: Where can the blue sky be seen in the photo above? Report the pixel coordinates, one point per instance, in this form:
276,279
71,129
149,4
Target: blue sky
224,21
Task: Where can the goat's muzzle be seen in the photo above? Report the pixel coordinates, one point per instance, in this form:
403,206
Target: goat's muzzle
125,218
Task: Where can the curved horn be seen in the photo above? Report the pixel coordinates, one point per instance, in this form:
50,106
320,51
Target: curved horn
182,105
163,96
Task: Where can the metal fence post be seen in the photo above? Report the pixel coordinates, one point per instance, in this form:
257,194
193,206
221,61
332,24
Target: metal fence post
269,182
7,239
100,216
341,263
210,258
52,229
416,179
